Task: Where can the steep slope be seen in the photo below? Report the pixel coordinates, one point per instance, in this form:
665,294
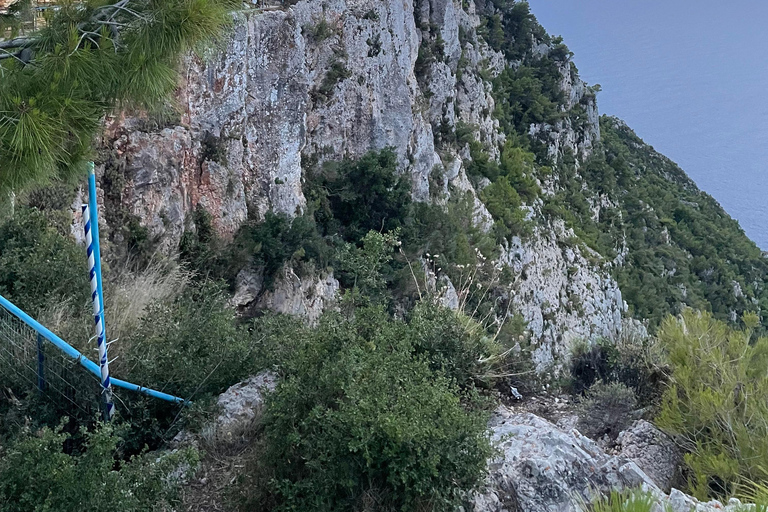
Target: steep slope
682,247
480,107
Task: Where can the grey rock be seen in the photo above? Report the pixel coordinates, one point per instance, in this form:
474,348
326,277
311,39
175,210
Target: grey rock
547,469
544,468
305,297
241,403
653,451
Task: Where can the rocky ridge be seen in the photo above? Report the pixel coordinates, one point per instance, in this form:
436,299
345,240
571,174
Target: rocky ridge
282,91
540,466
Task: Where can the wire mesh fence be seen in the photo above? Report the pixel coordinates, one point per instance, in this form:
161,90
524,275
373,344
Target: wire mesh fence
30,364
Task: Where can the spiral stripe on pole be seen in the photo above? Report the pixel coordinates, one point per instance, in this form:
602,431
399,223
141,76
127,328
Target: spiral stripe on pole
98,315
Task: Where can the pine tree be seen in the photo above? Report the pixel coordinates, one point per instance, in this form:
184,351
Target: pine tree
90,58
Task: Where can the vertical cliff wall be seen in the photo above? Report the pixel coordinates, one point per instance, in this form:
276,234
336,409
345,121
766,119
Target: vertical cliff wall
324,80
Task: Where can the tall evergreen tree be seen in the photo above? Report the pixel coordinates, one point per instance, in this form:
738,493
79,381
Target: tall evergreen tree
90,58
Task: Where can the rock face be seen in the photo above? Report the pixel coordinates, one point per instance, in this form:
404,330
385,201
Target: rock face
543,468
241,402
561,295
320,81
653,451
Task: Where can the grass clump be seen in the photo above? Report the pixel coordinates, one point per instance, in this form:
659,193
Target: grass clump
623,501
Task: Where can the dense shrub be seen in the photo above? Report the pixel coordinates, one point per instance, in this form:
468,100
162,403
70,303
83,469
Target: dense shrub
40,266
191,345
716,405
37,474
367,414
635,361
352,198
278,239
268,245
590,363
606,410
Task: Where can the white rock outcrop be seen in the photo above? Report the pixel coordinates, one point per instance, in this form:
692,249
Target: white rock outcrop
562,295
543,468
279,96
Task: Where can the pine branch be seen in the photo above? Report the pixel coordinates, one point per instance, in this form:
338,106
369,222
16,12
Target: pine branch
58,83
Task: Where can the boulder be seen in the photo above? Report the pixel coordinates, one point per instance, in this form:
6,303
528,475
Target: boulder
653,451
544,468
243,401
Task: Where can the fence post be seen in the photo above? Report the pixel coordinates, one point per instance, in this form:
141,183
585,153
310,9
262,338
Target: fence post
40,363
91,226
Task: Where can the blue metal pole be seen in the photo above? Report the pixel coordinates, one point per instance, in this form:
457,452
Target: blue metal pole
93,205
74,354
91,225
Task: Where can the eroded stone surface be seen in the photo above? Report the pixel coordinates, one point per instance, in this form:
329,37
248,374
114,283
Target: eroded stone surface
544,468
254,111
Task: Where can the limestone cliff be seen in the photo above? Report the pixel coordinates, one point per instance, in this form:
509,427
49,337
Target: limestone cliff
323,80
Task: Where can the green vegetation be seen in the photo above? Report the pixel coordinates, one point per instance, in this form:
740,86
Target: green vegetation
623,501
39,263
377,409
320,31
191,345
635,362
337,72
91,57
350,198
606,410
373,412
43,472
683,249
678,247
358,417
715,404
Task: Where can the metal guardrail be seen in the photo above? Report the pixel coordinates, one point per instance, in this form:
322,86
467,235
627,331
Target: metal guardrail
33,355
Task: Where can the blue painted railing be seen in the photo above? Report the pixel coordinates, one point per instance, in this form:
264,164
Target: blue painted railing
75,355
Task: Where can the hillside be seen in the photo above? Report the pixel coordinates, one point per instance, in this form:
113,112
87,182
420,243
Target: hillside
409,224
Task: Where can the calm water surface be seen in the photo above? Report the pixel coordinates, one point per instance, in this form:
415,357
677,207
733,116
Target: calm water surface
691,78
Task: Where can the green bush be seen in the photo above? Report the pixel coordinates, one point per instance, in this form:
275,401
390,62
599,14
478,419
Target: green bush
192,345
352,197
40,266
39,474
606,410
278,239
716,404
359,419
634,361
447,341
503,203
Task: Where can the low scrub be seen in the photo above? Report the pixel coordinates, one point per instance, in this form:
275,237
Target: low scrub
371,414
637,362
189,346
52,470
716,405
606,410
